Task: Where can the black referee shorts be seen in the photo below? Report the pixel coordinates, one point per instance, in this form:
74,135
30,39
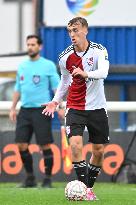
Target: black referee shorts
31,120
96,122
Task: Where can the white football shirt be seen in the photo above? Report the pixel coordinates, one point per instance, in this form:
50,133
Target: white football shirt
83,94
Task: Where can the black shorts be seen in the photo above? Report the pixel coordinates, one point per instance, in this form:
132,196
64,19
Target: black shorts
96,122
31,120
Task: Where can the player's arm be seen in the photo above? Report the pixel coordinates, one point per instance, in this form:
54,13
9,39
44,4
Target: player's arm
103,66
60,93
100,73
54,77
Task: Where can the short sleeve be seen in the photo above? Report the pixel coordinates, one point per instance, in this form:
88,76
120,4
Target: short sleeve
17,83
54,76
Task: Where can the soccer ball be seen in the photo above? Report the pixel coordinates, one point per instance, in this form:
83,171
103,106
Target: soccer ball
76,191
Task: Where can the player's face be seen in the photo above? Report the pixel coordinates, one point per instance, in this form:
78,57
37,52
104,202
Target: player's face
33,47
77,33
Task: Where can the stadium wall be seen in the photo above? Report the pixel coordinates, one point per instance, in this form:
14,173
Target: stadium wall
119,41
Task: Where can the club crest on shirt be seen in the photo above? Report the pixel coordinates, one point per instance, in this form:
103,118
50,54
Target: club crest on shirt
36,79
90,61
21,77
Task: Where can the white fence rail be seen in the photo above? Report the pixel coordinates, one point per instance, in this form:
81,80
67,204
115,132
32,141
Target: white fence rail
112,106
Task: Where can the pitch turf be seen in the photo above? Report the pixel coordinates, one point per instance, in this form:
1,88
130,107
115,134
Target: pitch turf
108,194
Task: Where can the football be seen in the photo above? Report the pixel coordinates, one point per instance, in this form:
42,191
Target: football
76,191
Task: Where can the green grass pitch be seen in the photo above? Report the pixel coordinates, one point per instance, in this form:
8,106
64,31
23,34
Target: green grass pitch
108,194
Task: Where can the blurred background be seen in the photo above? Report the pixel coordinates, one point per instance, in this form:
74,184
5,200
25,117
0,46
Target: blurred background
111,23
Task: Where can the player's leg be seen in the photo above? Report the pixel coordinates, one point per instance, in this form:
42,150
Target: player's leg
94,168
23,137
44,138
95,163
74,130
79,164
98,135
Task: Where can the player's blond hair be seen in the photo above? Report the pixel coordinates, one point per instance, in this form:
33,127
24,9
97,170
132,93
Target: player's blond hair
77,20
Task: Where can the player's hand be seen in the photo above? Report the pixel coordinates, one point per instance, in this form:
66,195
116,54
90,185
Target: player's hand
50,109
78,71
12,115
